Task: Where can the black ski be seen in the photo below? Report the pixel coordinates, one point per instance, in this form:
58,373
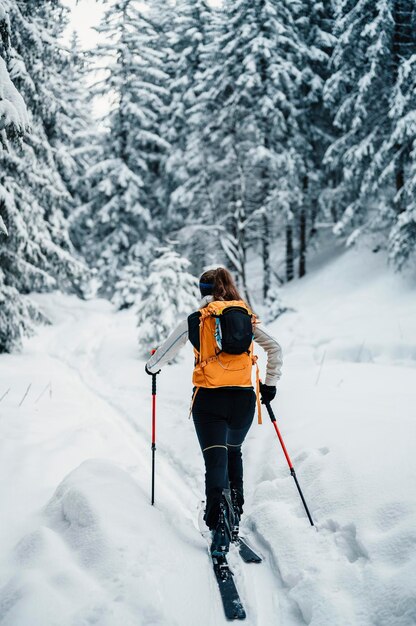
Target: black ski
246,552
232,604
233,607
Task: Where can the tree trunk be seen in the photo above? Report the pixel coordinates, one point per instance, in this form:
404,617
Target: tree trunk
266,257
302,229
246,293
403,38
399,175
302,242
242,254
265,170
290,274
403,47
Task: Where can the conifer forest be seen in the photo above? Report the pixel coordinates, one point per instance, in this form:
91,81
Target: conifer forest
241,129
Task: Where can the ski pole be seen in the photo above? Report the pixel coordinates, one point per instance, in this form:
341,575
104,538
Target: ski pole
153,432
289,462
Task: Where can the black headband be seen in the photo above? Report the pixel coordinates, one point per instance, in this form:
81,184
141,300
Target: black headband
206,288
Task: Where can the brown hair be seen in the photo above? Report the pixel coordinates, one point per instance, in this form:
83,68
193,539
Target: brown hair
224,286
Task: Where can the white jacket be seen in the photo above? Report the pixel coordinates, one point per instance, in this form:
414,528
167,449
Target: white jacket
178,338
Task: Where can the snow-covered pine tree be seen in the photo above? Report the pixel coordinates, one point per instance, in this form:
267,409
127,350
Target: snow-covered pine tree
123,207
14,310
170,295
358,94
76,143
217,174
185,162
37,255
314,24
254,164
13,114
370,95
402,237
247,129
395,163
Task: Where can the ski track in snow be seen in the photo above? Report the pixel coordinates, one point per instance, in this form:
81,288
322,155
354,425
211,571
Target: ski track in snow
177,494
89,548
260,580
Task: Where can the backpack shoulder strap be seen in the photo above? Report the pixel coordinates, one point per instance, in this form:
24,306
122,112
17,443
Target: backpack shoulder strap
193,329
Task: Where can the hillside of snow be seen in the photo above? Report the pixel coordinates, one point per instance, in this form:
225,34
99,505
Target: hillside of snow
80,543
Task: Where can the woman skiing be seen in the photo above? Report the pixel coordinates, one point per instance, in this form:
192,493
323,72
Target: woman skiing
224,401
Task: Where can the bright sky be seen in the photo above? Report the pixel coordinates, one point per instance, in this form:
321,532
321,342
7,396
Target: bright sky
85,15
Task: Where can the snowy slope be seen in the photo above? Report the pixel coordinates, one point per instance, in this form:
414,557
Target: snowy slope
79,540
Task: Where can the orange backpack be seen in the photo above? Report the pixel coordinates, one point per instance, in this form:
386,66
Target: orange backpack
215,367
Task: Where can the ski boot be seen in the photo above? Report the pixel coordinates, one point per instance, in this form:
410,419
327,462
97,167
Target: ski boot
237,509
222,534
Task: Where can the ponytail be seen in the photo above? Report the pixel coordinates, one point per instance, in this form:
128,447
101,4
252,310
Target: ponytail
223,285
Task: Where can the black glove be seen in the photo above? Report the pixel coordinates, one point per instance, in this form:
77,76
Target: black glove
267,393
149,372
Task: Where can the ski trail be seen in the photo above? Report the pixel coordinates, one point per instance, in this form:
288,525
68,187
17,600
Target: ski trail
177,489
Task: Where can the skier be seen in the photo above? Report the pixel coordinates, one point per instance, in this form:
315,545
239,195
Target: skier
224,400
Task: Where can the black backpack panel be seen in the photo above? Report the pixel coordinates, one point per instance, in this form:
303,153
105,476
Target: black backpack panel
236,330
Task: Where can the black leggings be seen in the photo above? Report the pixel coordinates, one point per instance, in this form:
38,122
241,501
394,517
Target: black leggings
222,418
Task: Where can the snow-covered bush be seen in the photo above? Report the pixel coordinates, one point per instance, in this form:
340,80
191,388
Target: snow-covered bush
402,243
130,285
273,306
17,313
170,294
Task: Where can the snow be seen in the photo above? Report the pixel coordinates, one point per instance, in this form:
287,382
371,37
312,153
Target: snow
80,543
3,228
12,107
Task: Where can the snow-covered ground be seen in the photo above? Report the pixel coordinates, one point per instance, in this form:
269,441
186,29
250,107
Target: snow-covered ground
80,543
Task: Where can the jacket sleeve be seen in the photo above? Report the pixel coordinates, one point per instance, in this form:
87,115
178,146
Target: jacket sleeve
169,348
274,354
